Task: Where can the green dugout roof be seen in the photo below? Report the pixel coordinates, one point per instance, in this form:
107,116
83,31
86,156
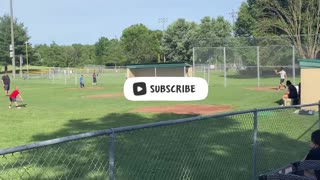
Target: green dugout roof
159,65
309,63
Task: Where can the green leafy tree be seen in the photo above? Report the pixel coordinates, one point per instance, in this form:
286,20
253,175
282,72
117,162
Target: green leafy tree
102,48
156,38
116,54
109,52
212,32
283,22
20,37
76,55
41,54
84,54
215,32
247,19
298,20
139,44
177,42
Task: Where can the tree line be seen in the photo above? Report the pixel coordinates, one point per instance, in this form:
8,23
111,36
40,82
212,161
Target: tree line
259,22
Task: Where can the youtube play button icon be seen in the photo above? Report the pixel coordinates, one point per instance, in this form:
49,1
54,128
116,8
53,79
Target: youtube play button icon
139,88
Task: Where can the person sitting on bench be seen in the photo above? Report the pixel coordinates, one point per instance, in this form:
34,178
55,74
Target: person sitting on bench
292,94
314,153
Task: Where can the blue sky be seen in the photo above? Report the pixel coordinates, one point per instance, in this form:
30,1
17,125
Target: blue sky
82,21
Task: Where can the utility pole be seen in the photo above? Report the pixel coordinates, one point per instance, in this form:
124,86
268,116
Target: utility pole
12,43
163,21
233,15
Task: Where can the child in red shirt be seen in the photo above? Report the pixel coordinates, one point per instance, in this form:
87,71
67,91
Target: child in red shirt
13,97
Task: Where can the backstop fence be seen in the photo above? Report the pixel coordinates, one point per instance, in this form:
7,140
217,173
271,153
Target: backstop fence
233,145
253,62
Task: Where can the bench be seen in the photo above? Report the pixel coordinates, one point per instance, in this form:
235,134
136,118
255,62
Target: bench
292,171
289,102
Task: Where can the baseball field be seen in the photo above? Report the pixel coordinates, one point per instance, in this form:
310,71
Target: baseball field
57,107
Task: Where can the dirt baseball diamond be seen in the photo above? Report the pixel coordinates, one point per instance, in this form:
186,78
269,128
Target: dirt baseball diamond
106,95
185,109
263,88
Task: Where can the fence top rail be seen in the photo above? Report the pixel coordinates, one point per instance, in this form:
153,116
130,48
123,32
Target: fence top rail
53,141
138,127
240,47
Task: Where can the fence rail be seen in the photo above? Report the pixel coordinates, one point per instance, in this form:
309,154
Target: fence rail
233,145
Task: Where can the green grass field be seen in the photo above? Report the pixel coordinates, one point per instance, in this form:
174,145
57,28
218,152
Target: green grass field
52,106
57,108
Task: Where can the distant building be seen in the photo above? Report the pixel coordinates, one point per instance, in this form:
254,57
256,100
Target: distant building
159,70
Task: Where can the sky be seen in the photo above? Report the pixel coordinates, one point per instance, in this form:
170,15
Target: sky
67,22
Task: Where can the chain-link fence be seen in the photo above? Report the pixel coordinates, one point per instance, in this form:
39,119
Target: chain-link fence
235,145
246,62
71,76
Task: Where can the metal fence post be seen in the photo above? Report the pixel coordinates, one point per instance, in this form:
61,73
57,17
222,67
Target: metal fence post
319,113
258,65
255,132
293,65
111,156
193,63
225,66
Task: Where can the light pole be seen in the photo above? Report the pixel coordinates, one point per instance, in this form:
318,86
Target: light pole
27,57
163,21
233,15
12,43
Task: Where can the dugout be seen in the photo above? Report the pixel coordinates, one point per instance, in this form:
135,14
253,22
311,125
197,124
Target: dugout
310,86
159,70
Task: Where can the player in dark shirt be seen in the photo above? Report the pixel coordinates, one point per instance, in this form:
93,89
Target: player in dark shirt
6,83
292,92
314,153
94,76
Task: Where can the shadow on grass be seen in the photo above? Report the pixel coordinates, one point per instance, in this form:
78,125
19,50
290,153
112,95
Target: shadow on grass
112,120
23,105
279,102
219,148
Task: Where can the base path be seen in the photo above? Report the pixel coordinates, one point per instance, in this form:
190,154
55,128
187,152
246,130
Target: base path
185,109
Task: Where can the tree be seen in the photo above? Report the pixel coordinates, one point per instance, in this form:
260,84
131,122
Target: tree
156,38
102,49
283,22
246,22
299,20
177,41
20,37
84,54
65,56
116,54
109,52
139,45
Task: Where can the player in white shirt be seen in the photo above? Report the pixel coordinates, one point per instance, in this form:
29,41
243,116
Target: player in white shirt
283,77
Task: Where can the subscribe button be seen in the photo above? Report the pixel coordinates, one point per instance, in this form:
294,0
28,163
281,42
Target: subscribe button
165,89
